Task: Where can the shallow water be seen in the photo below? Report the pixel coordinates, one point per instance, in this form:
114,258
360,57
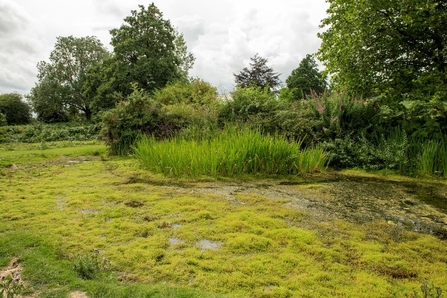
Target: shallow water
415,205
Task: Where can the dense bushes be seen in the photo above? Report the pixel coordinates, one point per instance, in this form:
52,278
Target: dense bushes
39,132
408,137
187,108
369,134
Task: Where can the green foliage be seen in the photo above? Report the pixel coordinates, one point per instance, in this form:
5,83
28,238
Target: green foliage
259,75
340,114
10,285
90,265
432,158
148,51
231,152
249,105
13,109
424,119
306,78
195,91
389,152
139,114
40,132
100,85
3,121
428,290
386,47
59,89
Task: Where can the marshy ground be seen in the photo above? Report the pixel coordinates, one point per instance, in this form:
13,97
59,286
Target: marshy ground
337,234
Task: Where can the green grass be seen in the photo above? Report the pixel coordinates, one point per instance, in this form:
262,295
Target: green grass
25,153
230,153
53,211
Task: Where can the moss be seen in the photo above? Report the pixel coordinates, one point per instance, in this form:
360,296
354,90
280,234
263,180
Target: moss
266,249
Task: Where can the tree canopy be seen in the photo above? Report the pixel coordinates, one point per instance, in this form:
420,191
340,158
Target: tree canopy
258,75
60,81
14,109
148,51
306,78
386,47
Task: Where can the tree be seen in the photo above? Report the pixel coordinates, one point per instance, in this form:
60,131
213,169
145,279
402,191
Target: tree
259,75
386,46
14,109
306,78
148,51
60,81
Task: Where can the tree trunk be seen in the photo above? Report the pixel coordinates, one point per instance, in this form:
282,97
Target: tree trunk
88,114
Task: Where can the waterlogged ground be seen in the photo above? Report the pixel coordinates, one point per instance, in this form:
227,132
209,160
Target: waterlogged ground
419,206
329,235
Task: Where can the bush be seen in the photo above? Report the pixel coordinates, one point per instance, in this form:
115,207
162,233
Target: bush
194,92
341,115
3,121
386,152
249,105
138,115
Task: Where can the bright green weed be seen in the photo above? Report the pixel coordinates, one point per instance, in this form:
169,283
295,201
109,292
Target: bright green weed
230,153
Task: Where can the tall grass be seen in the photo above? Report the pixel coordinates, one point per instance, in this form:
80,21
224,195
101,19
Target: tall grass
432,159
232,152
413,155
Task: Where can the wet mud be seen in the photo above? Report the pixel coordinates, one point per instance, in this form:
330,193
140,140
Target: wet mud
415,205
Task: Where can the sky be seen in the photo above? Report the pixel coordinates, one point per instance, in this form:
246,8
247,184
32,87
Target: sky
222,34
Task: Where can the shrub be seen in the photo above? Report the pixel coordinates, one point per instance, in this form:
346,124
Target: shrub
195,91
3,121
90,265
385,152
139,114
341,115
247,105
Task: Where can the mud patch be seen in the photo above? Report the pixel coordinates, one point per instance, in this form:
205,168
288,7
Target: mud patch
13,269
415,205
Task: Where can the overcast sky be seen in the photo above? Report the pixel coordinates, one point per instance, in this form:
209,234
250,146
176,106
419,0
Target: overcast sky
222,34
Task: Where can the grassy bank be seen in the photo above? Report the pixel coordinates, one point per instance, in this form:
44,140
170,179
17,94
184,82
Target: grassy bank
61,216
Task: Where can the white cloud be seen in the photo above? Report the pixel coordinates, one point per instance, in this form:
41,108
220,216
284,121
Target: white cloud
223,35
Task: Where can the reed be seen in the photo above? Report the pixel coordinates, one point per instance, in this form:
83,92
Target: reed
231,152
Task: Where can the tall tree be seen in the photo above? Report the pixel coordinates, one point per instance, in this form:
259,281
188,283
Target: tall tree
60,81
14,109
258,75
306,78
148,51
386,46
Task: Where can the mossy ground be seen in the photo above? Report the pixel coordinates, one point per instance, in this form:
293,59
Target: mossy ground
54,207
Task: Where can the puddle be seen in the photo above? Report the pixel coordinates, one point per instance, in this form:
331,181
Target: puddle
176,226
207,244
415,205
174,241
88,211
